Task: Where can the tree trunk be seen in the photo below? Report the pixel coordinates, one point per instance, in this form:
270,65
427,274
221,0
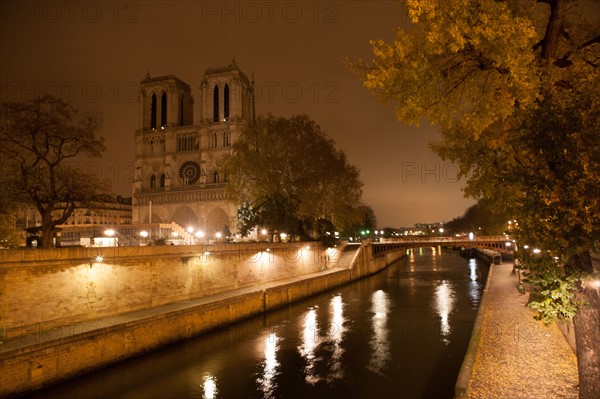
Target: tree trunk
47,230
587,331
553,29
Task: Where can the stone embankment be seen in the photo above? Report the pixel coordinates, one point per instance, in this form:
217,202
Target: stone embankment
68,312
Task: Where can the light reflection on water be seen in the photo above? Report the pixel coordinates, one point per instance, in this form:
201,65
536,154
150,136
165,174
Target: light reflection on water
270,365
310,343
380,346
209,386
444,303
336,336
474,288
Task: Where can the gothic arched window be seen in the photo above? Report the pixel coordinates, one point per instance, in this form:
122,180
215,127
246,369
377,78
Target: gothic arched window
162,180
163,110
152,181
153,112
181,111
216,104
226,102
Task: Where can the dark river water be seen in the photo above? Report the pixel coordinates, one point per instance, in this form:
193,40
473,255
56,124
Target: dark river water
402,333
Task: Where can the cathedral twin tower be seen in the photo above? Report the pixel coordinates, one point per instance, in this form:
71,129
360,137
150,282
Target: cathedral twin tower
179,169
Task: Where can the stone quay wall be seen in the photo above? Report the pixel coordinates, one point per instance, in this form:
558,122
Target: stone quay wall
46,289
170,276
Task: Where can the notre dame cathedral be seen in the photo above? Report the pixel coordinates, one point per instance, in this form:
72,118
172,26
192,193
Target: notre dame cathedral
179,171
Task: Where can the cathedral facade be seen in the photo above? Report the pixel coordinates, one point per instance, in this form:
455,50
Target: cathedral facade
179,168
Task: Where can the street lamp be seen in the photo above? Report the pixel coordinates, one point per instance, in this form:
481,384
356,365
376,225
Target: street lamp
144,235
190,231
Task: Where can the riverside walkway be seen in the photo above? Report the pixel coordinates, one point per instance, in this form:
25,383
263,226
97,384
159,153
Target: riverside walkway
516,357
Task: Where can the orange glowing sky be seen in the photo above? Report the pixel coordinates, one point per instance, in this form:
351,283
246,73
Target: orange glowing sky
95,53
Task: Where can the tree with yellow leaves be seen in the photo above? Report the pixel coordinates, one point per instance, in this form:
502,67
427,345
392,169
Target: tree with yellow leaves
514,88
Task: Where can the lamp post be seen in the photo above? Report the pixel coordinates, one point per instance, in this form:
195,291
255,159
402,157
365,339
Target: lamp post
144,235
190,231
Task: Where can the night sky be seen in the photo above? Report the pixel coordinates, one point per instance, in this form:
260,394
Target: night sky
95,53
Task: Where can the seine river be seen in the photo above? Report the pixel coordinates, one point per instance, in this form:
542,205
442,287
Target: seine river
402,333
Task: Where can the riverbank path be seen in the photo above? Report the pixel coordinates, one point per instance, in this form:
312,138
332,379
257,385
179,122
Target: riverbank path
518,357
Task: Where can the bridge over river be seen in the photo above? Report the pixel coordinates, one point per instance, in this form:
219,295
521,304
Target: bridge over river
501,243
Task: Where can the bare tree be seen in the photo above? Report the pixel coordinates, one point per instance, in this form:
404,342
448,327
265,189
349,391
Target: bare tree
40,143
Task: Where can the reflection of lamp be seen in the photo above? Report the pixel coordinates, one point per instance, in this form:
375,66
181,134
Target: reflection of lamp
98,258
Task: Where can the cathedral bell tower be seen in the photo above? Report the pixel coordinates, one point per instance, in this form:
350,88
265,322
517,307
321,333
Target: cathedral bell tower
226,95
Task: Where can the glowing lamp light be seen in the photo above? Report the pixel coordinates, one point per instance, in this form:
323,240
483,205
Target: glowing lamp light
109,232
536,251
263,232
175,234
218,234
199,234
190,229
144,233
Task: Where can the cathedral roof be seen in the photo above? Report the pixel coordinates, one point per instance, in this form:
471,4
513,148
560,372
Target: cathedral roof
149,79
233,66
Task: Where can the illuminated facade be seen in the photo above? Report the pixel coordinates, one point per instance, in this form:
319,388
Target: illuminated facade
179,169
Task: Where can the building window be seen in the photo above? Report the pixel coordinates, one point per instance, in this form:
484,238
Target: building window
162,180
226,103
163,110
152,181
189,172
153,112
226,139
187,142
216,177
181,111
216,104
214,140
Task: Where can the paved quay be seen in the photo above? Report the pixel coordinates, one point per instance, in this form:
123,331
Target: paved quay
518,357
